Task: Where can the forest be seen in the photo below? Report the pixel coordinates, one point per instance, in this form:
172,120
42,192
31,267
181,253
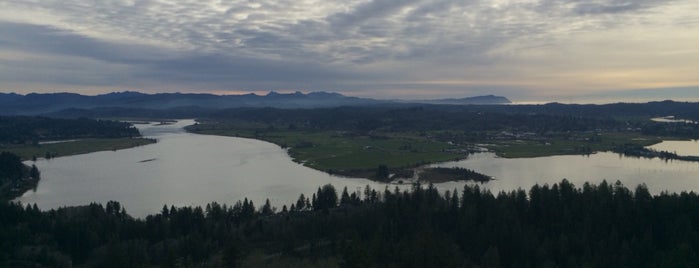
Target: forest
32,137
560,225
33,129
539,119
15,177
685,110
478,120
417,118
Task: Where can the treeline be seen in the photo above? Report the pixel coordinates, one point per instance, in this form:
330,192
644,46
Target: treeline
550,226
679,130
417,118
15,177
442,174
684,110
643,152
32,129
552,117
478,121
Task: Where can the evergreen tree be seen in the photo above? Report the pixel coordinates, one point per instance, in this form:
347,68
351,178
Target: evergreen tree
382,173
34,172
301,203
345,199
266,208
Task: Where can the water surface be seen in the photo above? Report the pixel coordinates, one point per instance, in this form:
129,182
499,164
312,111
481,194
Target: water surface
685,148
659,175
180,169
191,169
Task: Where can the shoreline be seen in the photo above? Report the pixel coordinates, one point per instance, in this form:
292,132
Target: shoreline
411,170
362,173
76,147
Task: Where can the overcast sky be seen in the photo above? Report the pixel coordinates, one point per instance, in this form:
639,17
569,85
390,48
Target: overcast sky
527,50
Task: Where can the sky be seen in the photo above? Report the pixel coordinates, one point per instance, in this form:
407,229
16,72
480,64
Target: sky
526,50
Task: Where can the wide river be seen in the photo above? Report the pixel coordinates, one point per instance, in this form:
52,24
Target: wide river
190,169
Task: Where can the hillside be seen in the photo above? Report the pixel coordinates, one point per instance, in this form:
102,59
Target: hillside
76,105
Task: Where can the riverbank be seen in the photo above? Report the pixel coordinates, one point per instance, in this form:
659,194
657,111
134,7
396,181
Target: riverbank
74,147
570,144
360,155
350,155
638,151
379,158
16,177
226,169
10,191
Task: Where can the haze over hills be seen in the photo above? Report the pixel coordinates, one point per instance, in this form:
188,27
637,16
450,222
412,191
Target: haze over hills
51,103
477,100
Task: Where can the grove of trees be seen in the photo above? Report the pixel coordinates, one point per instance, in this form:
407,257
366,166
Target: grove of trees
15,177
560,225
32,129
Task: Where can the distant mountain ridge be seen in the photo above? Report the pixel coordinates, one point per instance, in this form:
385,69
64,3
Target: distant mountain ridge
477,100
49,103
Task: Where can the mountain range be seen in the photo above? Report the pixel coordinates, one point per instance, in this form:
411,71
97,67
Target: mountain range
57,103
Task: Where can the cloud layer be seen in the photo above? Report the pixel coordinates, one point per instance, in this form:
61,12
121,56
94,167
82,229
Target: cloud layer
527,49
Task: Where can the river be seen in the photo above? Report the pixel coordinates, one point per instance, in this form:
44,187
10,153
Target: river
190,169
180,169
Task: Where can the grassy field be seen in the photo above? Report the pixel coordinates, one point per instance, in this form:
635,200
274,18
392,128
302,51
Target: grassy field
27,152
352,154
580,145
337,151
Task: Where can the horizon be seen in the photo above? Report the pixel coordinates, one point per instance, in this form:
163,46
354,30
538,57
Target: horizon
591,100
527,50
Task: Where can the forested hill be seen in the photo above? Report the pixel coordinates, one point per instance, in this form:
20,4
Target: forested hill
480,100
549,226
684,110
414,118
42,104
522,118
135,102
30,129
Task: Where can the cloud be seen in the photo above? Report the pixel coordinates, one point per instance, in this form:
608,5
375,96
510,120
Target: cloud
50,40
375,9
615,6
355,45
157,63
